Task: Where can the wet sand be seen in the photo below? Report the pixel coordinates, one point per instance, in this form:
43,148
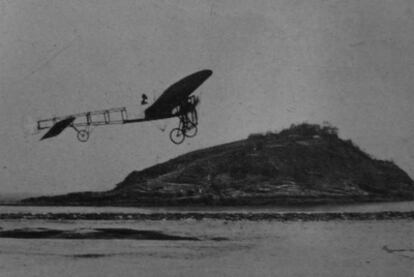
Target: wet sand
246,248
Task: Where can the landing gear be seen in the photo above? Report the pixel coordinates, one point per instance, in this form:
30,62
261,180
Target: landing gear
83,135
190,130
186,128
177,136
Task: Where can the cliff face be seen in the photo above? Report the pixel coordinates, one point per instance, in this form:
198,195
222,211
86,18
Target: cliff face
303,164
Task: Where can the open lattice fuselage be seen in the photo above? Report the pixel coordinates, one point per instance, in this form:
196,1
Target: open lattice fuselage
108,117
96,118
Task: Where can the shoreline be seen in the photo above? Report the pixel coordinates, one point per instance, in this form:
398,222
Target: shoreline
276,201
282,217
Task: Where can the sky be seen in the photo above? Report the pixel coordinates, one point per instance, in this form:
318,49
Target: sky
274,62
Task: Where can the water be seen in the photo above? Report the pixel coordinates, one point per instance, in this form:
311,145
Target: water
366,207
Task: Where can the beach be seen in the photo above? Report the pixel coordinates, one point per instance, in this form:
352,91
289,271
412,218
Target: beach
209,247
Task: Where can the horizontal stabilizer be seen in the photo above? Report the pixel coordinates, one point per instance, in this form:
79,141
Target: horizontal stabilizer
58,127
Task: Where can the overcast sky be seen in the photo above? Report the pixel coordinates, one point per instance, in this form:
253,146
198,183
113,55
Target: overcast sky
275,63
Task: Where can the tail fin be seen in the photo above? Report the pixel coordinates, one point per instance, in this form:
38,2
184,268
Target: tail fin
58,127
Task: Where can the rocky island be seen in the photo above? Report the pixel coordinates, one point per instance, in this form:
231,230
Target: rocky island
304,164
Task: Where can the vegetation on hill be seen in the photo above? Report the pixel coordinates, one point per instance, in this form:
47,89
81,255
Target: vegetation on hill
305,164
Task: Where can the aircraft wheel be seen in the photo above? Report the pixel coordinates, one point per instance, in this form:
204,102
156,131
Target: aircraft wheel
83,135
191,130
177,136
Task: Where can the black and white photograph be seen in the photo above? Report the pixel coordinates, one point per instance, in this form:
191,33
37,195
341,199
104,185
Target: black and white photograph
206,138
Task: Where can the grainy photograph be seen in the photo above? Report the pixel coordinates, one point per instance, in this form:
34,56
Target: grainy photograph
206,138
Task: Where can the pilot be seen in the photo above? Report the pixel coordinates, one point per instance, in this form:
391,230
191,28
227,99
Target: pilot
144,99
186,105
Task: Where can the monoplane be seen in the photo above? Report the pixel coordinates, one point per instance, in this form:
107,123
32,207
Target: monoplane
177,100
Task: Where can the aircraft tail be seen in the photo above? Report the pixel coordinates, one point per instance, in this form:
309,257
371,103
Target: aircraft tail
59,127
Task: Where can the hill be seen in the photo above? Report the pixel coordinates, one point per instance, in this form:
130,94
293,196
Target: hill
305,164
13,198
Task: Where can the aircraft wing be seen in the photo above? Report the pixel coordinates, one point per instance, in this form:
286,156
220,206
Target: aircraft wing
175,94
58,127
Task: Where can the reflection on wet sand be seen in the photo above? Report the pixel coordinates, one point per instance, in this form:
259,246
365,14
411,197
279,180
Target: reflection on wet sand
90,233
